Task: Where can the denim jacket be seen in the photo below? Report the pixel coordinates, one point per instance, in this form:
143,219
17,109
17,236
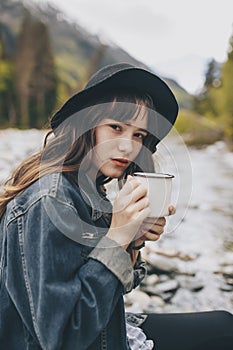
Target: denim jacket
62,281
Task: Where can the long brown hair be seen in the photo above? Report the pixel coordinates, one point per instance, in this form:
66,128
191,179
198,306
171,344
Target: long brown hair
65,148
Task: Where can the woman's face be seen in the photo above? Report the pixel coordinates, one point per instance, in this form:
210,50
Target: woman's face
118,144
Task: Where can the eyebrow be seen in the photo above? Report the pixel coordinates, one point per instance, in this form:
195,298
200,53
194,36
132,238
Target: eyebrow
122,122
141,129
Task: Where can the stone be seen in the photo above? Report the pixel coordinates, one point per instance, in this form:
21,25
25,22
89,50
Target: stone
158,301
226,288
163,278
226,271
151,280
162,264
160,288
191,283
229,281
137,296
167,296
227,259
174,253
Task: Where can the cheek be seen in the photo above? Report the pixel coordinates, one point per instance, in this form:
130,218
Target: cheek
102,136
105,139
97,137
104,147
137,148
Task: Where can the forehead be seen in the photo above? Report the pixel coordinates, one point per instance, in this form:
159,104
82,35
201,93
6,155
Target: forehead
140,118
139,122
134,115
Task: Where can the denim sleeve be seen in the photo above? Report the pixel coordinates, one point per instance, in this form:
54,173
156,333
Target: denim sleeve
72,296
109,253
118,261
139,271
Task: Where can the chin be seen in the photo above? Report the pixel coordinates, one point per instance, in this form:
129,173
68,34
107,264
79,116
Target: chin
114,174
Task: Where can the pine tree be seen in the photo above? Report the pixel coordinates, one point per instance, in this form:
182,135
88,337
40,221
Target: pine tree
227,91
212,75
35,74
7,95
206,102
24,65
43,78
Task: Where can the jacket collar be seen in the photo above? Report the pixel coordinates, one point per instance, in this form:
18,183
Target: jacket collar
96,197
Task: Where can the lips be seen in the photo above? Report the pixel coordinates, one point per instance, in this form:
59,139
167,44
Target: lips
121,162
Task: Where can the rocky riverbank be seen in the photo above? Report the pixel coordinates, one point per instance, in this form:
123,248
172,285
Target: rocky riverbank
176,282
191,267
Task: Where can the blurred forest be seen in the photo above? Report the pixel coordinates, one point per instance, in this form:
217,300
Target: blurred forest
213,106
44,59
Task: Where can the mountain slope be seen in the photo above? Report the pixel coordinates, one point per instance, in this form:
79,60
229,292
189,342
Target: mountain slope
77,52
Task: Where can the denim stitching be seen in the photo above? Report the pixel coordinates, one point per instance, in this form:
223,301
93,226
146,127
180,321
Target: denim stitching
2,261
18,211
55,180
21,244
103,336
95,214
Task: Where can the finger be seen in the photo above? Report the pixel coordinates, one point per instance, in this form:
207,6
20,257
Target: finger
156,230
171,210
139,192
130,184
148,236
136,194
139,241
155,221
141,204
140,234
141,215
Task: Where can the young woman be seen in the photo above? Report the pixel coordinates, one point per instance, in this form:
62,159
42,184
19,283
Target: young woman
67,255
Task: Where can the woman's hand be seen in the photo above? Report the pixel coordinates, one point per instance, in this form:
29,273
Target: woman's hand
150,230
130,209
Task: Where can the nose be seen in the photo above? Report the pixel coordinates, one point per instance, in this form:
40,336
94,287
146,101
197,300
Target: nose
125,145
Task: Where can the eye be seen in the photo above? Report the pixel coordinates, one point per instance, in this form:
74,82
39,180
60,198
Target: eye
140,136
115,127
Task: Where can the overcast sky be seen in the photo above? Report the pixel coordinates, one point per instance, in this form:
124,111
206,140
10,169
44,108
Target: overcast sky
175,37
